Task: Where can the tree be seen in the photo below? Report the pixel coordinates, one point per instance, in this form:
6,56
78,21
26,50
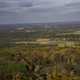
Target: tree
37,66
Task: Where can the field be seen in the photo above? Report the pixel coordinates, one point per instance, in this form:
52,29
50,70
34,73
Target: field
40,53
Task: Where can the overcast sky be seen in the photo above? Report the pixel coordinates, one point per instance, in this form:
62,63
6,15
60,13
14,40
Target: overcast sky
28,11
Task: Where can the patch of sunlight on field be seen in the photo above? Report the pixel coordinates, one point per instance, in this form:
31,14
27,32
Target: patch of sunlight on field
66,44
77,32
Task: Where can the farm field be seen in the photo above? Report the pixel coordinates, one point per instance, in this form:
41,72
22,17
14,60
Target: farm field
40,53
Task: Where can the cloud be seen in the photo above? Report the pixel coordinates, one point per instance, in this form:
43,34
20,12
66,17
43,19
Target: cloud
24,11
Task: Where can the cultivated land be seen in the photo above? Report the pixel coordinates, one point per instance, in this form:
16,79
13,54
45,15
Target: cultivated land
40,52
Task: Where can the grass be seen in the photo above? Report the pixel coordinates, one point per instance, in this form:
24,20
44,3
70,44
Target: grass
13,67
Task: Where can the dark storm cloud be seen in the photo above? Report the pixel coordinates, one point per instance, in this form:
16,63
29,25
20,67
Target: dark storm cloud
12,3
15,11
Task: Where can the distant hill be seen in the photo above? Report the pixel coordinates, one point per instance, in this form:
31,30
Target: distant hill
41,25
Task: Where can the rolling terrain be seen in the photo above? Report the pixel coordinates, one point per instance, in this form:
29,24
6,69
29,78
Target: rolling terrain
40,52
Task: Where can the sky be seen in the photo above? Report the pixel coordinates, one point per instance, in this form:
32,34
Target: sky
39,11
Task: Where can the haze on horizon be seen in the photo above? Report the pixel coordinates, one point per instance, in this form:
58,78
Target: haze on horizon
34,11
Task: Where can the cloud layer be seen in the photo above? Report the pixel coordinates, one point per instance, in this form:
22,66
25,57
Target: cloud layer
28,11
